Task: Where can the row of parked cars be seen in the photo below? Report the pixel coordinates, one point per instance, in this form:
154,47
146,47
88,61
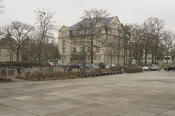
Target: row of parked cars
90,66
152,68
156,67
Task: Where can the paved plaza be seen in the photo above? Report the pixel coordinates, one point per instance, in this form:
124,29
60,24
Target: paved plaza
139,94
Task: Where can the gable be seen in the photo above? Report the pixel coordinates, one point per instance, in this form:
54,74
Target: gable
64,28
115,23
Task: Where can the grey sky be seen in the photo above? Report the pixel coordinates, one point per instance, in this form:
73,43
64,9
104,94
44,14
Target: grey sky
68,12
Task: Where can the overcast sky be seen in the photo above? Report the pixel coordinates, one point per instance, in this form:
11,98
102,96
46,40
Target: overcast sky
68,12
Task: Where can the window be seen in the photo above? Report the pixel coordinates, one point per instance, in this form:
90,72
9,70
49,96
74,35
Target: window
97,40
64,42
74,33
98,49
81,32
89,57
95,57
99,57
81,48
74,49
87,32
89,49
120,33
64,33
64,50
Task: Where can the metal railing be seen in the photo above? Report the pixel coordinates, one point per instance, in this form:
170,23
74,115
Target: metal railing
5,72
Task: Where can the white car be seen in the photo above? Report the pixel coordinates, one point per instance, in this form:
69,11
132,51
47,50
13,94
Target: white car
145,68
110,65
154,67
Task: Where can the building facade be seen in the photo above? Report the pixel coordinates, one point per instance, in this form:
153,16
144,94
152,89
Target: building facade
6,51
76,43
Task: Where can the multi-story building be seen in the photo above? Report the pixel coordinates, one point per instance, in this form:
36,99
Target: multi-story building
107,42
6,51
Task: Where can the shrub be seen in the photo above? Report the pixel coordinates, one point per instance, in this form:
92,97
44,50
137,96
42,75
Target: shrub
115,68
133,69
41,75
163,65
20,64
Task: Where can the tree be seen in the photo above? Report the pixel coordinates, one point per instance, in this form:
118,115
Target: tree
93,17
19,32
154,27
168,38
83,41
30,50
127,38
173,53
45,29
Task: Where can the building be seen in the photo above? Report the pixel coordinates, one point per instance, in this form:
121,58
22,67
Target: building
107,42
6,49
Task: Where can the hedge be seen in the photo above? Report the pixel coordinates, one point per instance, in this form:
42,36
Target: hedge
133,69
20,64
41,75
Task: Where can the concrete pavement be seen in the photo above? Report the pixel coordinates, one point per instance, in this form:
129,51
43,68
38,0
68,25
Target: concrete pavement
139,94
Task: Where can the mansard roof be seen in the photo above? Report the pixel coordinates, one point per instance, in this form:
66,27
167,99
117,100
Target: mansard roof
103,21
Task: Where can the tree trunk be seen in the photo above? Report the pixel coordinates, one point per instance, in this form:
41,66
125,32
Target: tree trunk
167,57
152,57
17,53
146,52
92,46
156,50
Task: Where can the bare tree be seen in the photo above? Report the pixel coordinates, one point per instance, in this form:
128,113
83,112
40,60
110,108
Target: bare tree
93,17
45,27
19,32
168,38
83,41
127,39
173,53
154,27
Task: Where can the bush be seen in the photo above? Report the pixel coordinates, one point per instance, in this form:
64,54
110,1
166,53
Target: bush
116,69
41,75
4,79
133,69
20,64
163,65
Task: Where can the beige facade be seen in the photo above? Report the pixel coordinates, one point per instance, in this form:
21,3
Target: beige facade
107,45
6,52
7,55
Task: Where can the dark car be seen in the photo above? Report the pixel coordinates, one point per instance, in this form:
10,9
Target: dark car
101,65
169,68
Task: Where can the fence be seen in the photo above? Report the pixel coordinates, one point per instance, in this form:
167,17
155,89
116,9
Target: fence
8,72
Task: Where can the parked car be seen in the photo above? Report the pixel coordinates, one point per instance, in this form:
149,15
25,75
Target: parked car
64,64
50,64
145,68
91,66
101,65
110,65
170,68
154,67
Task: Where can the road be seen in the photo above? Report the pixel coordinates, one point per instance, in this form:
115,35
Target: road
139,94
